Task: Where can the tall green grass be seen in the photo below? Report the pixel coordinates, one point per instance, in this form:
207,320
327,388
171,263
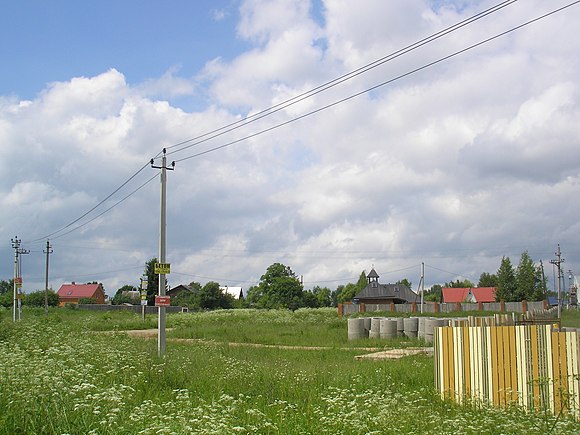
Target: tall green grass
59,376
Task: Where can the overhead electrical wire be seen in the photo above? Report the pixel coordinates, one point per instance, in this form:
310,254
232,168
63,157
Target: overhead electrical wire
372,88
312,92
43,238
280,106
108,209
332,83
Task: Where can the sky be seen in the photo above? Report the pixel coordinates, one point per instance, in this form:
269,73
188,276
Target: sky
453,153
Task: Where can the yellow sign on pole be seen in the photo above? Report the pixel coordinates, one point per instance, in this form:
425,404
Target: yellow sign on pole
162,268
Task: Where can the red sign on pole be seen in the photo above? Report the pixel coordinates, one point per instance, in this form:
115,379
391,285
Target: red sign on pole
162,301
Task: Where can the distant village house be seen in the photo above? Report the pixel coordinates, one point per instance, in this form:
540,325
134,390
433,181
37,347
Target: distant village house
73,293
474,295
376,293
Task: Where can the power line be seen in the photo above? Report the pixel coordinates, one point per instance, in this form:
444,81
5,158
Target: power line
103,212
332,83
372,88
291,101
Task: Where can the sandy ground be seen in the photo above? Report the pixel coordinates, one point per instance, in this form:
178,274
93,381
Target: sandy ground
377,353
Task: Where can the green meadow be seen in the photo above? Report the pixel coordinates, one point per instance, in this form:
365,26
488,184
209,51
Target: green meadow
78,372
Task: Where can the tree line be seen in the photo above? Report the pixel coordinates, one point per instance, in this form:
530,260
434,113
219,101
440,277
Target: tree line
279,287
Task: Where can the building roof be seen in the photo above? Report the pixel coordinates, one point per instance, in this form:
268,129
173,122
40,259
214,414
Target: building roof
463,294
78,290
378,291
373,273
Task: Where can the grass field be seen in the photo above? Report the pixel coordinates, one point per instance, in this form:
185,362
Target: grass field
62,374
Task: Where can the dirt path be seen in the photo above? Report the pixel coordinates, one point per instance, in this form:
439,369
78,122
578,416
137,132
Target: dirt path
378,353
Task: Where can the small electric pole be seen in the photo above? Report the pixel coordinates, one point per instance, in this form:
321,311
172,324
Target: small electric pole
557,262
162,249
422,284
17,305
16,245
47,252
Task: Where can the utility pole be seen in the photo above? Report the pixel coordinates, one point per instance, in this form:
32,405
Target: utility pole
21,251
162,249
557,262
422,284
16,304
47,252
16,245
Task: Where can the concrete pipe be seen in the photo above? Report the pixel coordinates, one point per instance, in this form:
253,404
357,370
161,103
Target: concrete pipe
356,328
388,328
375,331
410,326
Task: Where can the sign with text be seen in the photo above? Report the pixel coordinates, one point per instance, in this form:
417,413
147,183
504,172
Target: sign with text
162,268
18,282
162,301
143,302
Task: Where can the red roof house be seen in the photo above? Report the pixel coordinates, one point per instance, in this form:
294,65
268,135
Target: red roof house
476,294
72,293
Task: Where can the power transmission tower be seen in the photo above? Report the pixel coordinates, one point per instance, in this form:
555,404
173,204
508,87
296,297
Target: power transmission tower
162,248
47,252
557,262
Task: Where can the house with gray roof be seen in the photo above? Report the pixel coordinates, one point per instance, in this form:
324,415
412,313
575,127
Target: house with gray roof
377,293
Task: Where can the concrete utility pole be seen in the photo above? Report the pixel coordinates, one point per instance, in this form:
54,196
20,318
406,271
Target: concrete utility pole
422,284
16,245
16,304
162,249
557,262
47,252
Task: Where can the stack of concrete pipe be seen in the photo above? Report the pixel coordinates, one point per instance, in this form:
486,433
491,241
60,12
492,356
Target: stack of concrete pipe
386,328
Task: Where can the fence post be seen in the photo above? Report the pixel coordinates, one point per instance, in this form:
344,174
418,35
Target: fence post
413,307
502,306
392,307
457,306
524,306
361,307
436,308
340,310
480,306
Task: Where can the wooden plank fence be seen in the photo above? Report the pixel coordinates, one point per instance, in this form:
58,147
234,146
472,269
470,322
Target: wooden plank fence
534,366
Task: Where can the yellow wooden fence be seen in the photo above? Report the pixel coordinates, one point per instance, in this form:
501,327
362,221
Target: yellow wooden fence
534,366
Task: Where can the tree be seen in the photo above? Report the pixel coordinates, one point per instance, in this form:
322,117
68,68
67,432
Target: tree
122,296
152,281
435,294
349,291
525,278
322,295
506,281
36,299
6,286
540,284
459,284
487,280
406,282
278,288
211,297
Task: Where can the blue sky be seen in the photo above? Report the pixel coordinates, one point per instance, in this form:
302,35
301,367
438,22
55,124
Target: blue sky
46,41
456,166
